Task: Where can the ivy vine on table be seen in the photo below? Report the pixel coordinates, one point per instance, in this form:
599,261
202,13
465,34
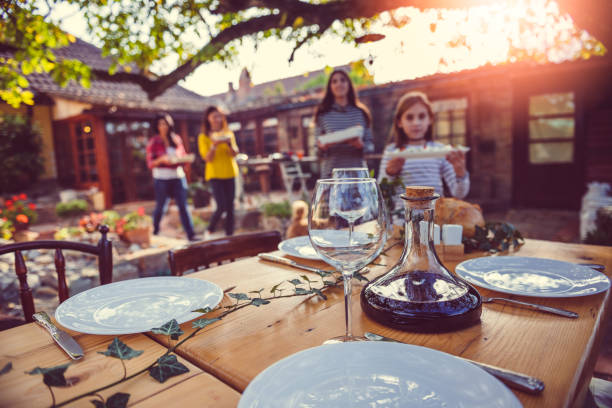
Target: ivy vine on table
167,365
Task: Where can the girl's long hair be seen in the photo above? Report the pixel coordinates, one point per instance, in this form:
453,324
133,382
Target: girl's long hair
397,135
328,99
206,126
168,119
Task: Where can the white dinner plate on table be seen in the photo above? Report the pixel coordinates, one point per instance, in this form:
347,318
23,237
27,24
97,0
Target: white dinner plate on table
536,277
299,247
137,305
428,152
375,375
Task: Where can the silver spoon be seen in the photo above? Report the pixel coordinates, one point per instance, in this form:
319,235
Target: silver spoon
553,310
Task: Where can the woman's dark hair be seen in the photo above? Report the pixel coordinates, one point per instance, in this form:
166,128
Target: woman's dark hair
398,136
168,119
328,99
206,126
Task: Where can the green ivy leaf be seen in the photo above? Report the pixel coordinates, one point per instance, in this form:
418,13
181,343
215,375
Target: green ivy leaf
120,350
239,296
257,291
258,302
323,274
320,294
300,291
98,403
202,310
52,376
275,287
329,283
118,400
171,329
295,282
167,366
202,323
8,367
305,278
360,277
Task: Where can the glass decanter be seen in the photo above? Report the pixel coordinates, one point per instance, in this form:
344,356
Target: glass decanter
419,293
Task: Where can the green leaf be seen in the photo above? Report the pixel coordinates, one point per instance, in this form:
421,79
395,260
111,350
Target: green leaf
8,367
258,302
22,81
360,277
171,329
275,287
320,294
202,310
329,283
300,291
120,350
118,400
202,323
323,273
239,296
305,278
98,403
296,282
167,366
53,376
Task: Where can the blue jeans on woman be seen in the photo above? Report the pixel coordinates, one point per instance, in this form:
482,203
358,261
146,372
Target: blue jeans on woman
224,193
176,189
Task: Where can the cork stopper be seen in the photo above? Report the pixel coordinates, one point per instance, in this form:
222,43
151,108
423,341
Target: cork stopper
419,192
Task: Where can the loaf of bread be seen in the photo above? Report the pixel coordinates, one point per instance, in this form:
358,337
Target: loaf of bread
454,211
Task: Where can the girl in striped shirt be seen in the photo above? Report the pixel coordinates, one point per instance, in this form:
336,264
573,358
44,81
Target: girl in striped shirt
412,127
340,109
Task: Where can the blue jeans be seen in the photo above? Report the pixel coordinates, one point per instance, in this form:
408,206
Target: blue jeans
176,189
224,193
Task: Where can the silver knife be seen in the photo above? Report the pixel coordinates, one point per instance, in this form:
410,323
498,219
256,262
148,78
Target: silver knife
66,342
512,379
289,262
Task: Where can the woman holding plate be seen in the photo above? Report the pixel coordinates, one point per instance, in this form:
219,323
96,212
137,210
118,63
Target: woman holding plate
342,126
166,157
218,148
412,129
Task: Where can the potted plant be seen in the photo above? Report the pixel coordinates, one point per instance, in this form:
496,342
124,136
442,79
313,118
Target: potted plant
199,194
17,215
135,227
276,216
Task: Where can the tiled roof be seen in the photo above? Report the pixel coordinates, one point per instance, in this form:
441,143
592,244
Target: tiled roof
127,95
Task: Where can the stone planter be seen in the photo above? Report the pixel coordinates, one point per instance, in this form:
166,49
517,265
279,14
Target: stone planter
25,235
140,236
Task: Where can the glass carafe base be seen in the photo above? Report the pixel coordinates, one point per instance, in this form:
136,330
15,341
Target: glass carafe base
433,316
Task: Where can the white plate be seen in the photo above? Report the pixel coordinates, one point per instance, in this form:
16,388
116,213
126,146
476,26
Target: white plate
375,375
342,135
137,305
536,277
299,247
428,153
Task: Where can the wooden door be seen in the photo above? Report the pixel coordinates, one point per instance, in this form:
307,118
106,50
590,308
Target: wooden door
547,150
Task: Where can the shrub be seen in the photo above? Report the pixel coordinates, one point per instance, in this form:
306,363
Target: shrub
133,220
280,210
20,149
72,207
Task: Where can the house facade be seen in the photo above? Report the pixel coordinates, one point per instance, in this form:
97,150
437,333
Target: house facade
537,133
96,137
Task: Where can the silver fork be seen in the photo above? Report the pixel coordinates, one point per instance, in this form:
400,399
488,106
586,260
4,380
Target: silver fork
553,310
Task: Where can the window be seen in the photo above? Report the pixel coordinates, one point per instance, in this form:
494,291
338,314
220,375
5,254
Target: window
450,126
86,153
270,138
551,128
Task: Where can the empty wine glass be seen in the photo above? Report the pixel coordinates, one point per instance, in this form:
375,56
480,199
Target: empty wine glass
346,227
362,172
350,172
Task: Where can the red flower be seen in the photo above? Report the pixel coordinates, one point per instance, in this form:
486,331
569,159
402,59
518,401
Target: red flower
15,198
141,211
22,196
9,203
32,206
22,218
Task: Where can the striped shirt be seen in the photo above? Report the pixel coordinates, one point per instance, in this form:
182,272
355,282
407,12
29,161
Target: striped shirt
342,154
426,172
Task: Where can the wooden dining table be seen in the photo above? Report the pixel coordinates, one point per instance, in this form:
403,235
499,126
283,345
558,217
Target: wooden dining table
227,355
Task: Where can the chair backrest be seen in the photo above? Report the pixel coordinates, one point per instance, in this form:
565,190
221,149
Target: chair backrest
104,252
203,254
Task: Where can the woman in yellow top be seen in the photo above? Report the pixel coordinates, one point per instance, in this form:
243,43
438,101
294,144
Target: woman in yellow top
217,146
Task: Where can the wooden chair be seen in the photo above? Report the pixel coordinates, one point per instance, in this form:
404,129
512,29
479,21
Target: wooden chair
104,252
203,254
